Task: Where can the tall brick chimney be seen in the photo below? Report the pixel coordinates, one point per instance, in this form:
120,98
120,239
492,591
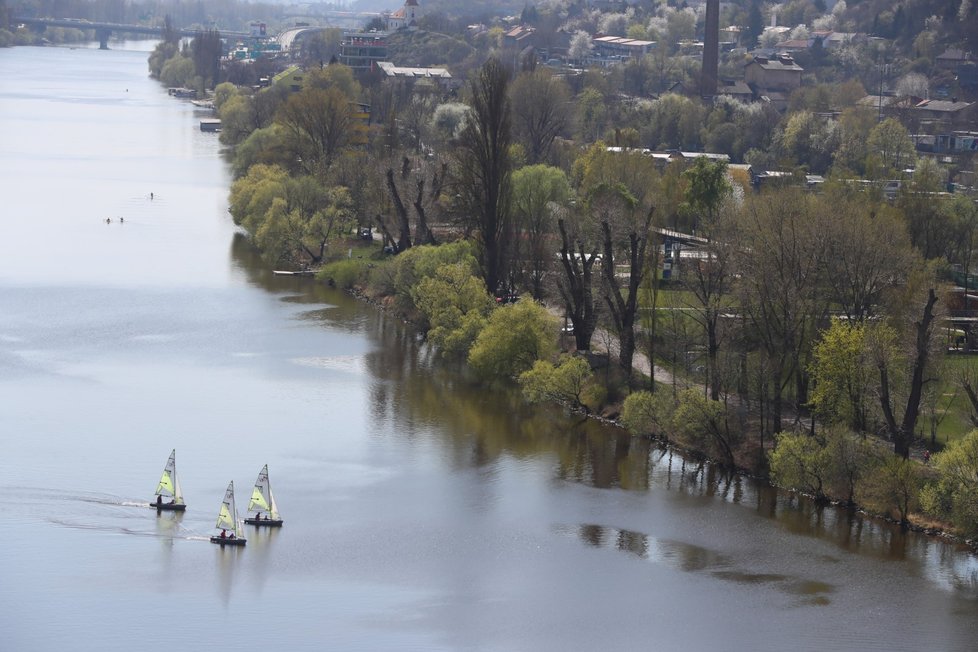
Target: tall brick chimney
711,50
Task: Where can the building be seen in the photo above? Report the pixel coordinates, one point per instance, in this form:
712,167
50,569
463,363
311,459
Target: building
778,73
440,76
361,51
946,113
619,47
405,17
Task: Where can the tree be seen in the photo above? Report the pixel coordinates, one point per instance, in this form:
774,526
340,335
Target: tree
703,425
707,188
456,306
955,494
580,46
539,194
540,102
576,285
799,462
841,373
614,204
564,382
709,280
922,333
891,145
516,336
484,169
206,50
780,289
869,251
319,123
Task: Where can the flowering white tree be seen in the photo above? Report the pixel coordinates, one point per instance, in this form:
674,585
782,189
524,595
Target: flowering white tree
913,84
580,46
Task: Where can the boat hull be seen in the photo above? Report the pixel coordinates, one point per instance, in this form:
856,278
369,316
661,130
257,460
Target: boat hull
165,507
229,542
277,522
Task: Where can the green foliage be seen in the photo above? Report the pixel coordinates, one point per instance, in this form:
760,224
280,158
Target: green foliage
266,146
346,273
800,461
955,494
178,71
417,263
645,413
223,92
703,425
832,464
563,383
890,147
707,188
455,303
841,374
237,119
290,218
895,487
516,336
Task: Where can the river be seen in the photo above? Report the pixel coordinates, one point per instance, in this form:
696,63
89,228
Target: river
421,512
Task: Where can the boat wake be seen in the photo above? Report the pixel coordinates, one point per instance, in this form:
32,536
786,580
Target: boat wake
113,529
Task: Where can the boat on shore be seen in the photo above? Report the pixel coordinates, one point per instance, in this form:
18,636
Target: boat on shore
301,272
169,487
227,519
262,503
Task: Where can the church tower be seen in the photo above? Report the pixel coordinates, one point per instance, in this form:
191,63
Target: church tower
412,12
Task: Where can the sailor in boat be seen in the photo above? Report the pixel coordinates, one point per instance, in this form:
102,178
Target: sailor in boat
224,534
232,536
159,501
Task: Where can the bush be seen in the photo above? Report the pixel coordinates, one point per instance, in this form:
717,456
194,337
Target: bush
516,336
347,273
565,382
645,413
704,426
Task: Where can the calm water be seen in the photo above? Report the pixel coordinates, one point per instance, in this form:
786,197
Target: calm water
421,513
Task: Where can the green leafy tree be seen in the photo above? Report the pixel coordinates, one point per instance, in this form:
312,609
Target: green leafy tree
645,413
516,336
564,382
456,306
896,486
890,145
540,192
955,494
799,461
704,425
842,375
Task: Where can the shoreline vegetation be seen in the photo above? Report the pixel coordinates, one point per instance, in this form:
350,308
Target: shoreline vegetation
803,344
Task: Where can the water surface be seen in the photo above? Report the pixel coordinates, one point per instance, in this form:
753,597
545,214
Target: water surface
420,512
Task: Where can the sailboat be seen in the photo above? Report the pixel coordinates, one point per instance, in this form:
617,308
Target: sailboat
227,519
169,487
262,500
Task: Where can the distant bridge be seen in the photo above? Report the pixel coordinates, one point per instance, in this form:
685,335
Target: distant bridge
104,30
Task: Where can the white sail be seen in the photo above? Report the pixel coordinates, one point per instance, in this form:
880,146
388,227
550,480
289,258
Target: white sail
261,496
227,517
169,486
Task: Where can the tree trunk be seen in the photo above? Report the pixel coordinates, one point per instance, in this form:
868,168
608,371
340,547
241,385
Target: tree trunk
404,226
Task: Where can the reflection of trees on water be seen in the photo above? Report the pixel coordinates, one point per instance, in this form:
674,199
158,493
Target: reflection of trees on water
411,391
